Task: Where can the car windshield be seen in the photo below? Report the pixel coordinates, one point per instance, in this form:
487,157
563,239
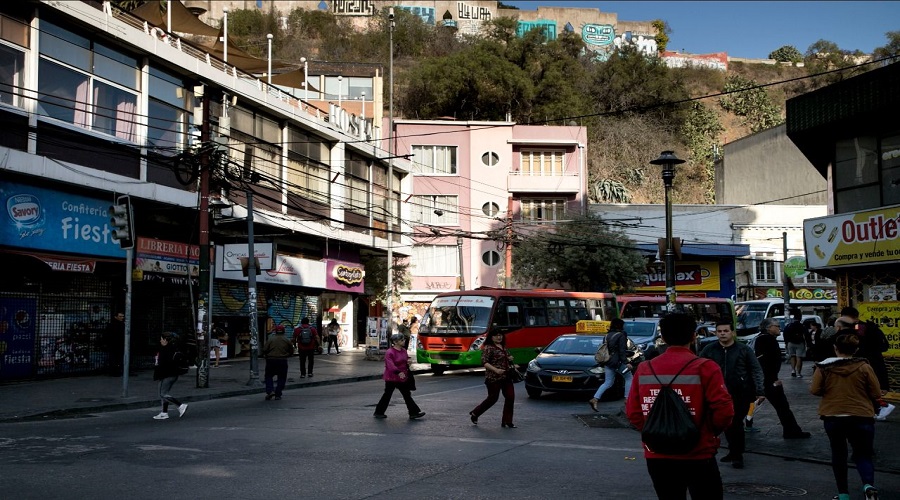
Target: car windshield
457,315
574,345
751,318
640,328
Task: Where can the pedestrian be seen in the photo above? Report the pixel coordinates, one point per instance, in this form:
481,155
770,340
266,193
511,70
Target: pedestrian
816,350
397,376
306,338
795,343
744,381
769,355
166,371
407,333
848,385
497,362
872,343
215,346
114,338
618,364
332,331
702,387
277,351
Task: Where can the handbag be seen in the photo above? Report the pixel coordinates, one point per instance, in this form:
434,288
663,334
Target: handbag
515,376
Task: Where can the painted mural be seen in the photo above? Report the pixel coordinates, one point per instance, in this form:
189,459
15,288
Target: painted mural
602,40
426,14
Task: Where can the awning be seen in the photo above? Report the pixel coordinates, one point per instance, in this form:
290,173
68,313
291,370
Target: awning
182,19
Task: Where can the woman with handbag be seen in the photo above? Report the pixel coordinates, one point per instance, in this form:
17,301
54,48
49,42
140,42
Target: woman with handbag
498,365
618,363
397,376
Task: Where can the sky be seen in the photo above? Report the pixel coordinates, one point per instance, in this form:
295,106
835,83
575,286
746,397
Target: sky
754,29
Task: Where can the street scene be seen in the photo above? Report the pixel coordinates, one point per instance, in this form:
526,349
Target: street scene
320,441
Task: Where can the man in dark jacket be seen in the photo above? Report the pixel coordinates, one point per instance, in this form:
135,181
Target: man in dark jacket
703,390
744,381
277,351
769,355
795,343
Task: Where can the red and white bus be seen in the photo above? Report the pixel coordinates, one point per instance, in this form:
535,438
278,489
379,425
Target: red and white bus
453,328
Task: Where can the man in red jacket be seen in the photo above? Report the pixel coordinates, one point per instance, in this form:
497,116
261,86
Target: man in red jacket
702,388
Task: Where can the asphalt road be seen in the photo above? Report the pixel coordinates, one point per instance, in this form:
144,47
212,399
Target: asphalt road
322,443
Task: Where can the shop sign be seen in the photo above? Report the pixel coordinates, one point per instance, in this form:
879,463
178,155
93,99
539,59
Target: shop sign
68,265
264,252
799,293
167,257
689,275
795,267
853,238
17,329
344,276
43,219
287,270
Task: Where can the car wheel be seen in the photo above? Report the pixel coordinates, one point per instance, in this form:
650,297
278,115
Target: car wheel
533,393
438,369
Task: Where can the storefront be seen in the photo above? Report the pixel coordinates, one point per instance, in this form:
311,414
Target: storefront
56,306
344,283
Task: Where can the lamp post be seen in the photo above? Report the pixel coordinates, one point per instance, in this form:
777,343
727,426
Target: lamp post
269,72
305,79
225,33
462,274
390,176
362,98
667,160
340,89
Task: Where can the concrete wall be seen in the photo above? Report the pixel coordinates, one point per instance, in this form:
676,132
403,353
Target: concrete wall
767,167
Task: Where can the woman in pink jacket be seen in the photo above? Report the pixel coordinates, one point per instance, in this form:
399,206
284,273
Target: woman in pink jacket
397,376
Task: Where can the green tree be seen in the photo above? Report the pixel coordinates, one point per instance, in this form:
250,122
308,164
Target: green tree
701,135
891,49
609,191
747,99
583,254
786,53
376,277
663,30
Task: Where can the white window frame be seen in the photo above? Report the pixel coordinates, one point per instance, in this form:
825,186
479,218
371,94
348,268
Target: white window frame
424,207
534,162
435,160
543,210
435,260
771,268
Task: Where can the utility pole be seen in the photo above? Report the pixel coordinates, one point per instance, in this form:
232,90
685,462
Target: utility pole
251,296
390,183
786,289
203,293
507,279
462,272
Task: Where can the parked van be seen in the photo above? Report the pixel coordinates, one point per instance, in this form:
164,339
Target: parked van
750,313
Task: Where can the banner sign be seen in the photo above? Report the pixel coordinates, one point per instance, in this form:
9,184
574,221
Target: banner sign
887,316
18,318
689,276
288,270
167,257
43,219
344,276
265,253
853,239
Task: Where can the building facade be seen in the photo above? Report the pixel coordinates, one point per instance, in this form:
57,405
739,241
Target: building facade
97,104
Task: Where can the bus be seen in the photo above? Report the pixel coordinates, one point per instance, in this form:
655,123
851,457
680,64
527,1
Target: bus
750,313
706,310
454,326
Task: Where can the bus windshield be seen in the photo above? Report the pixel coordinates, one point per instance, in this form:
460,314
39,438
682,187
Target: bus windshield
750,315
458,315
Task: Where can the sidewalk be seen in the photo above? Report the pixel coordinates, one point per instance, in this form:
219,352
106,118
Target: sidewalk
61,398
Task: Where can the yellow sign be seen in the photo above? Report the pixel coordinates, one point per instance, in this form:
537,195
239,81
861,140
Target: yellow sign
887,316
592,326
853,238
689,276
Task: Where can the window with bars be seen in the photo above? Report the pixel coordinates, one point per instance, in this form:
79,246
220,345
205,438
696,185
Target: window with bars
435,260
541,163
537,210
436,209
434,160
765,267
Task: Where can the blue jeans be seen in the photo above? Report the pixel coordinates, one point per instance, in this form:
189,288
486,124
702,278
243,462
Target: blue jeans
276,367
860,433
610,379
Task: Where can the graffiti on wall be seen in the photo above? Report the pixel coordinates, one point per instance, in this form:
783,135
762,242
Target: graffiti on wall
717,61
548,28
598,35
353,7
602,40
426,14
473,12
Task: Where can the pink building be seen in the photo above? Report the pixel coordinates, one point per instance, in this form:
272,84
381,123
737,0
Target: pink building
471,182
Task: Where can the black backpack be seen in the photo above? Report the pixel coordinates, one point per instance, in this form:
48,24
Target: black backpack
669,428
305,337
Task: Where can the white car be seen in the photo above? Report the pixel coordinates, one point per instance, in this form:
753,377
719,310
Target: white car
781,321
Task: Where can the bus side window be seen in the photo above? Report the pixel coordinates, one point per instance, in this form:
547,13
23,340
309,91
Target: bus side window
509,312
536,312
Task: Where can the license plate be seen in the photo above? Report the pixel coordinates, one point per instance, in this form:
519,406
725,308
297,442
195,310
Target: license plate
561,378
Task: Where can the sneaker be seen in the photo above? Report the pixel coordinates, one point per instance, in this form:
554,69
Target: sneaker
799,375
181,409
302,376
417,415
269,396
379,415
884,412
870,491
310,375
337,353
161,416
794,374
328,354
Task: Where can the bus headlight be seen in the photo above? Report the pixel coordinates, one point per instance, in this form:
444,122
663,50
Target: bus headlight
533,366
476,345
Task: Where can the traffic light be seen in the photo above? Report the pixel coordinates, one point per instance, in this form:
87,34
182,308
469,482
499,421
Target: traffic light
123,221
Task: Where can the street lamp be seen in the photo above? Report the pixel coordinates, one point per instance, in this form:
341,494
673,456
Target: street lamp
269,72
225,33
462,274
668,160
362,99
305,79
390,174
340,89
